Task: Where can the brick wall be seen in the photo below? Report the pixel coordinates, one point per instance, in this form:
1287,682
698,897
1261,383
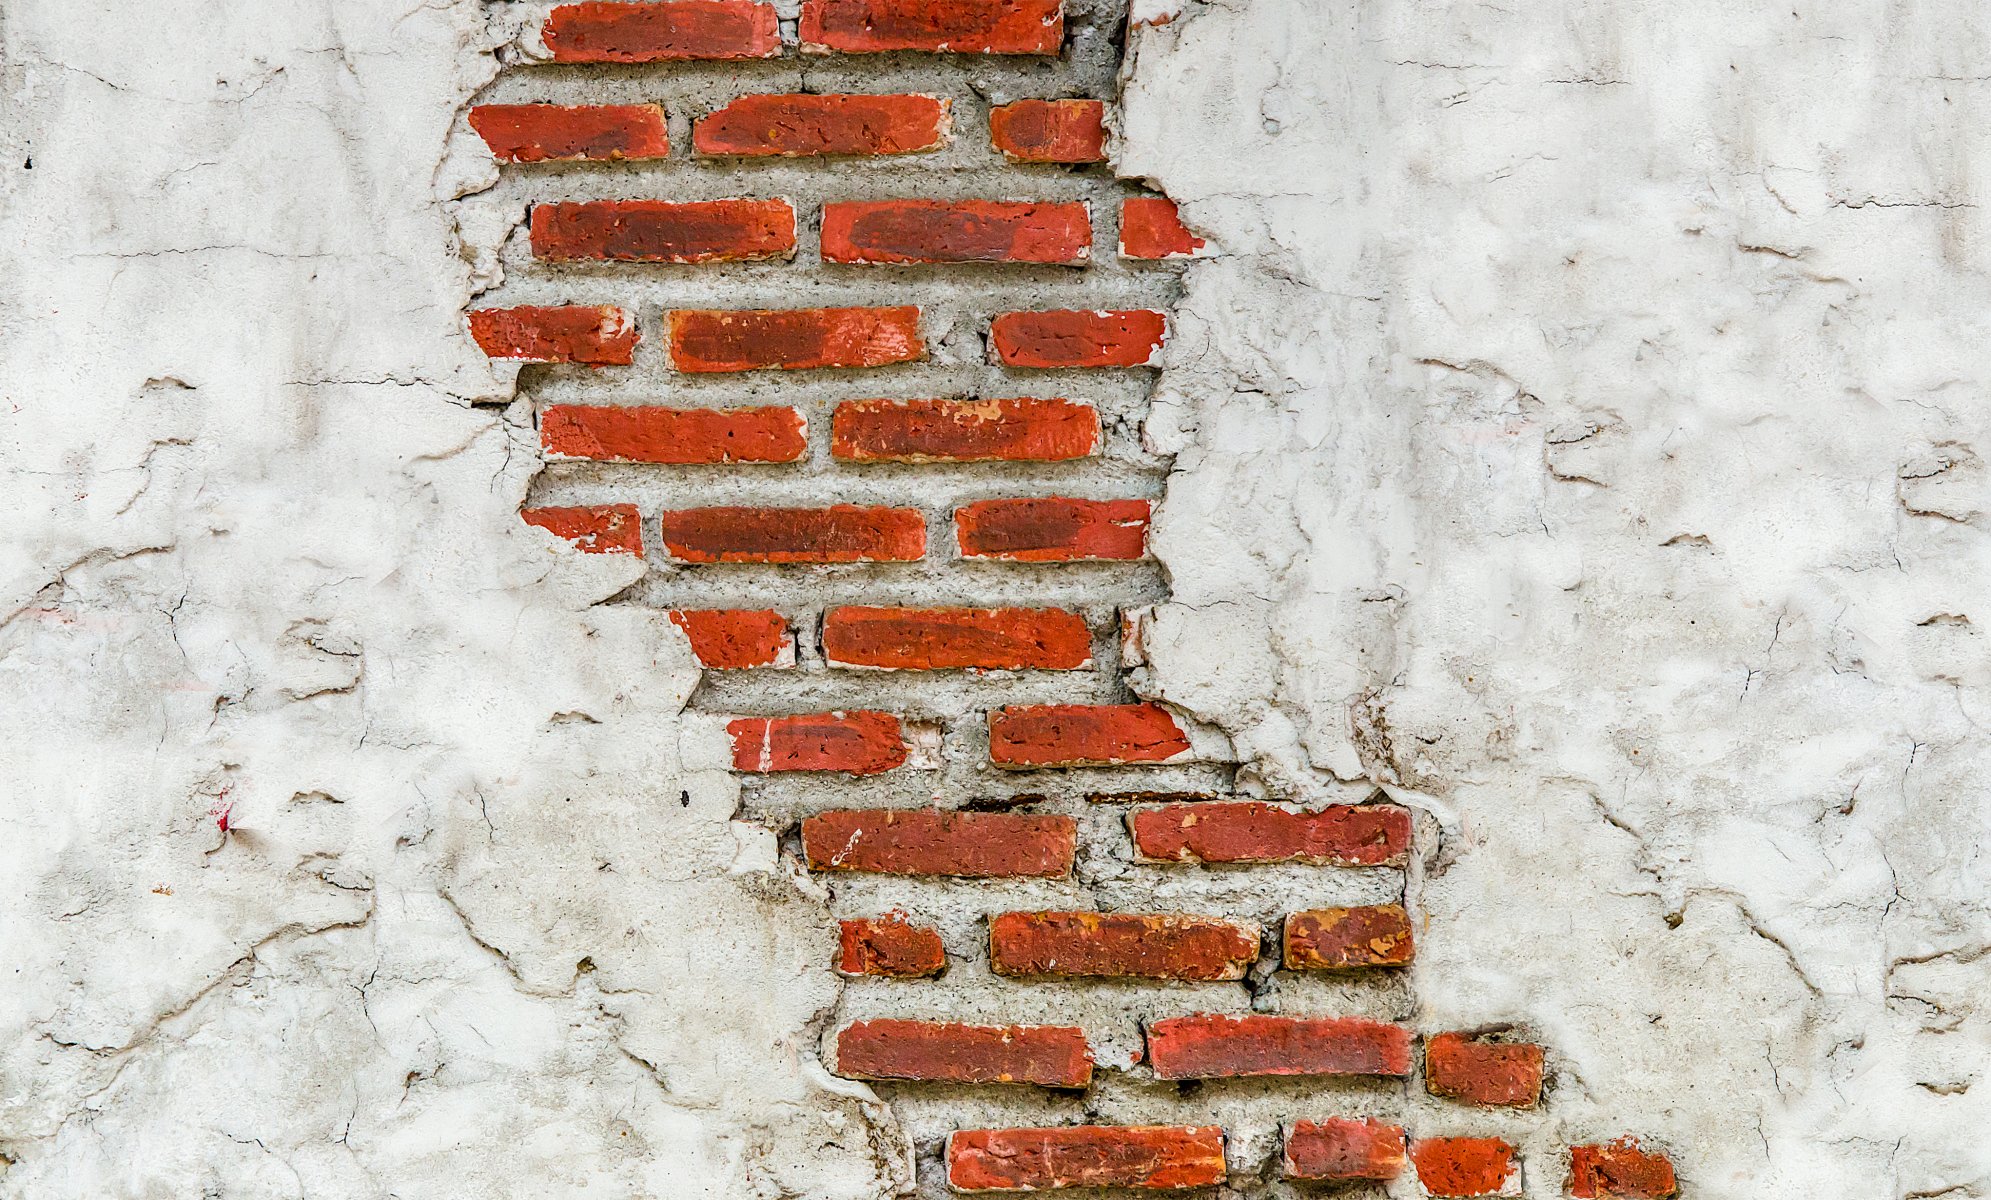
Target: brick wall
848,331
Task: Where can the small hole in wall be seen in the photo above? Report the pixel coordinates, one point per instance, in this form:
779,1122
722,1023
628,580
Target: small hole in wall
684,799
28,165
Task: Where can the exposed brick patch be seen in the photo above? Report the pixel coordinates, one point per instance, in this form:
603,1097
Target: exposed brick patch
662,231
1020,430
891,947
1151,1157
730,638
529,133
592,335
1048,340
661,30
1349,835
960,26
1460,1066
596,529
1053,529
1120,945
970,845
1064,735
616,433
1150,227
1209,1046
793,339
858,743
1050,131
794,126
956,231
1462,1166
842,533
1620,1170
1337,939
1341,1148
944,1052
931,639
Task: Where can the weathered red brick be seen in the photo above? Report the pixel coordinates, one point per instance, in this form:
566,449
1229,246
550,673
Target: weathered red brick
792,126
1209,1046
1048,340
1050,131
889,946
661,231
967,845
956,231
1150,227
1052,529
1122,945
1620,1170
594,335
1337,939
1020,430
731,638
662,30
1344,1148
1461,1066
793,339
842,533
529,133
857,742
959,26
1344,835
1459,1167
944,1052
597,529
1067,735
620,433
1150,1157
936,639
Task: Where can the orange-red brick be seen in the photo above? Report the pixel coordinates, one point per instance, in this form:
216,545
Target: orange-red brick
1620,1170
793,126
596,529
959,26
1460,1066
620,433
1342,1148
935,639
592,335
793,339
660,231
662,30
842,533
1066,735
1338,939
1208,1046
1120,945
1020,430
1149,1157
1052,529
1461,1166
945,1052
1348,835
1050,131
956,231
1048,340
890,947
967,845
860,743
1150,227
730,638
529,133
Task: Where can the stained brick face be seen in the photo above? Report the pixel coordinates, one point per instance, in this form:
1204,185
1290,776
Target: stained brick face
1465,1166
1120,945
529,133
1620,1170
623,433
1062,735
890,947
1148,1157
931,639
1048,340
933,842
959,26
1052,1056
955,231
704,342
1340,835
800,126
1344,1148
592,335
660,231
1050,131
859,743
1053,529
597,529
842,533
1490,1074
662,30
917,431
1218,1047
1338,939
729,639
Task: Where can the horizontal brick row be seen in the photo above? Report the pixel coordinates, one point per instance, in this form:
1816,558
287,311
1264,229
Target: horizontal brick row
668,30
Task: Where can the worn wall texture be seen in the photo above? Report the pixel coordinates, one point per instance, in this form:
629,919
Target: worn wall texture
1570,431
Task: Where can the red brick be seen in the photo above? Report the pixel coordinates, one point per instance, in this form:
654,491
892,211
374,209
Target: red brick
1048,340
1052,529
1620,1170
1050,131
1336,939
793,339
916,431
1457,1167
673,435
936,639
1066,735
730,638
956,231
1341,835
1149,1157
1209,1046
594,335
795,126
965,845
659,231
1151,228
889,946
1460,1066
943,1052
662,30
959,26
1120,945
861,743
842,533
529,133
1344,1148
597,529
